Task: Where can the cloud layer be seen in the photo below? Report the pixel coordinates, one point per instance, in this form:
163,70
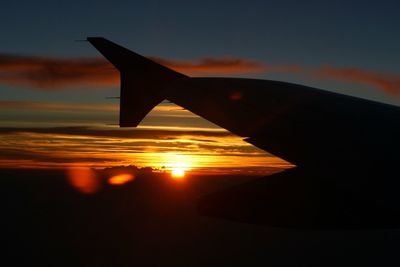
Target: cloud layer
101,147
58,73
389,83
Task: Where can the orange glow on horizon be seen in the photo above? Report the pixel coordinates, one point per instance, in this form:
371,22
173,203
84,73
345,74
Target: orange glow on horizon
120,179
180,140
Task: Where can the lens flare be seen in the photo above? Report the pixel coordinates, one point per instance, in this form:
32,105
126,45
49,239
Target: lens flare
83,180
120,179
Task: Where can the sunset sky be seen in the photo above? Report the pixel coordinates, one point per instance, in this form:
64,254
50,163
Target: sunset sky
53,106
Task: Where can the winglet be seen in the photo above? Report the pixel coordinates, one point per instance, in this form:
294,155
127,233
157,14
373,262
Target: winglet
143,81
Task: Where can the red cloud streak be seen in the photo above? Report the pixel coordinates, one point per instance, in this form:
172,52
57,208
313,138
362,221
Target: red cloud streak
58,73
55,73
390,83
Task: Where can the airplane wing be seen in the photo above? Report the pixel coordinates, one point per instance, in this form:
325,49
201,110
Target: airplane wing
141,80
344,146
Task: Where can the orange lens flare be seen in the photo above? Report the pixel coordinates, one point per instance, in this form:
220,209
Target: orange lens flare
120,179
83,180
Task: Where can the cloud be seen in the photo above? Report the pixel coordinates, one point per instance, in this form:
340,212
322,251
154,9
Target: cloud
60,73
115,133
164,110
57,73
98,147
56,106
214,66
389,83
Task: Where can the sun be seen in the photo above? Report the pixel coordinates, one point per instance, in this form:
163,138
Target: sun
177,173
177,165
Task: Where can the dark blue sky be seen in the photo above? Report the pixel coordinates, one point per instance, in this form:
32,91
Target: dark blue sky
279,30
357,34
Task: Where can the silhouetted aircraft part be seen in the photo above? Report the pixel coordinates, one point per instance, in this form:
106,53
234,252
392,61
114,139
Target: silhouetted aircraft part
142,81
113,97
299,199
339,143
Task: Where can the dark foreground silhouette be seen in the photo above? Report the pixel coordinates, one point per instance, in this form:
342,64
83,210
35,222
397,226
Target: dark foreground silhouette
298,199
153,221
345,148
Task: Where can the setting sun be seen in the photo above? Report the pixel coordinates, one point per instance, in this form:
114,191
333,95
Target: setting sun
178,164
178,173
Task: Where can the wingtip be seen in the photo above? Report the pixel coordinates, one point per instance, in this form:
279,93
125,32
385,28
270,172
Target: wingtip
93,38
90,39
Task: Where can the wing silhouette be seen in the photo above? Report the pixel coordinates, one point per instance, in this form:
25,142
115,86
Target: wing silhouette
345,148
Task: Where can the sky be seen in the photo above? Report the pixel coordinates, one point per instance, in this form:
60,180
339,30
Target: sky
53,106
